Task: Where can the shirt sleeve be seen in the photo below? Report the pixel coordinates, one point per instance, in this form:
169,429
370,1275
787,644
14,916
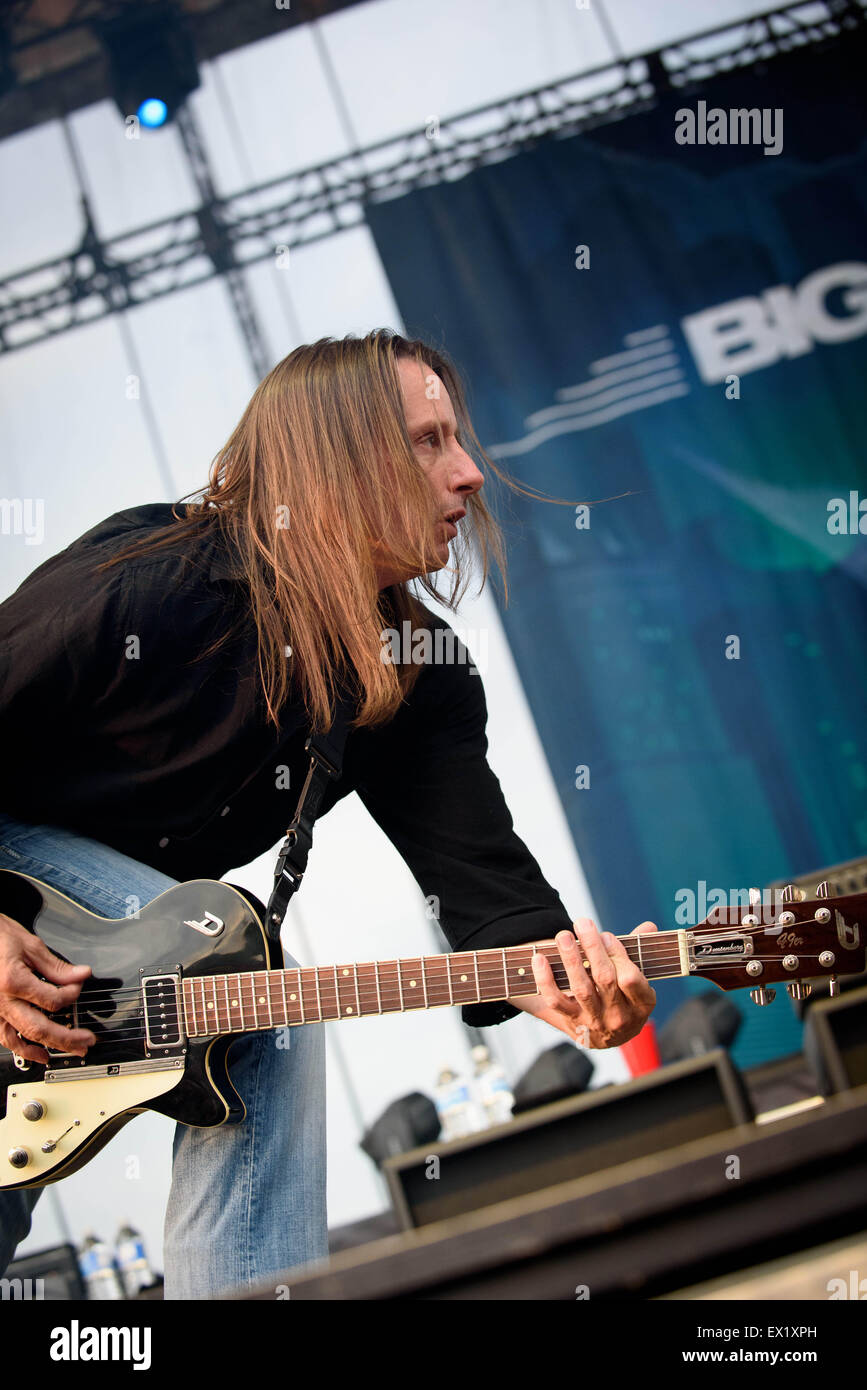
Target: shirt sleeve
426,781
61,653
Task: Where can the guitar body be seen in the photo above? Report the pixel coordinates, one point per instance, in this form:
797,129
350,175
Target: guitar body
198,928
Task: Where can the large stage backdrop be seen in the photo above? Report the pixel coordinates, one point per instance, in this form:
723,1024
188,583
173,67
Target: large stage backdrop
693,653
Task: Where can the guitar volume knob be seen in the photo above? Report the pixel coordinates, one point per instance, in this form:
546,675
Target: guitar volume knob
33,1110
19,1157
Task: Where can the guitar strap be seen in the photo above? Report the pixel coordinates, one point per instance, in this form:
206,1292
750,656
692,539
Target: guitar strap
326,762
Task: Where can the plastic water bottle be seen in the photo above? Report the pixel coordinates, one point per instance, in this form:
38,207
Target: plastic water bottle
132,1262
492,1087
459,1114
98,1269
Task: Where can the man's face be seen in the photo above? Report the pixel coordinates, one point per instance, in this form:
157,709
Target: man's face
452,475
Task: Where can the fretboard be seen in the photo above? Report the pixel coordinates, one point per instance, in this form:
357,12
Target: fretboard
261,999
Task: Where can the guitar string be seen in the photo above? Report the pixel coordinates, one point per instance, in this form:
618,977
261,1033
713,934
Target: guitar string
88,1000
653,947
487,971
118,1031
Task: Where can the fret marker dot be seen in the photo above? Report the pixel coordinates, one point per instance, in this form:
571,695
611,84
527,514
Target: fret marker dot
464,979
293,997
346,972
234,1003
210,1006
349,1011
521,970
412,984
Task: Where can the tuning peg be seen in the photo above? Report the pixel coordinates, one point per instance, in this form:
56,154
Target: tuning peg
753,917
833,986
793,894
799,989
824,889
762,996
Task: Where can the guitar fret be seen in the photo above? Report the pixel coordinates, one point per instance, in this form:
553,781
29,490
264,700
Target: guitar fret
438,993
399,985
378,992
424,983
241,1002
449,978
318,994
464,988
226,992
283,995
476,963
366,977
214,1009
640,959
505,975
191,993
524,972
268,998
338,1007
357,999
204,1010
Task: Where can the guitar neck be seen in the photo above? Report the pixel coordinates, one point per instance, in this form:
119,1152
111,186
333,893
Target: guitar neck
262,999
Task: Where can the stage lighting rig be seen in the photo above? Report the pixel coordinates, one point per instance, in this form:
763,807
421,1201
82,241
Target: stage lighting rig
152,61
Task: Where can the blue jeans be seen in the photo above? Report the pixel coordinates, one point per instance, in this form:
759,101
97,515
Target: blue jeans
247,1201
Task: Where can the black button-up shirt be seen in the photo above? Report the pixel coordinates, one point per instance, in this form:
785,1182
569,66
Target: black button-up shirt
112,728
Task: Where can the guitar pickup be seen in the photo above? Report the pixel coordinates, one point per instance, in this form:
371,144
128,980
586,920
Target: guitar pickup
162,1012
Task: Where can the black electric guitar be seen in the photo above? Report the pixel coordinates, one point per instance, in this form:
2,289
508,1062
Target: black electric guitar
172,989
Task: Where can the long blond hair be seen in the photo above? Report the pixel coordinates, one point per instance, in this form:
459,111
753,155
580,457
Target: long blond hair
320,467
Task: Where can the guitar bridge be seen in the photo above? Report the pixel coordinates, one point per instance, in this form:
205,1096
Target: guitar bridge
162,1013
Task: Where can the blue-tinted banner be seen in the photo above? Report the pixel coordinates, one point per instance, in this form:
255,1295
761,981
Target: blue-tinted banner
675,307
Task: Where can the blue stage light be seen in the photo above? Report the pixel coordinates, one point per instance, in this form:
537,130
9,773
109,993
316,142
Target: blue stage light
153,112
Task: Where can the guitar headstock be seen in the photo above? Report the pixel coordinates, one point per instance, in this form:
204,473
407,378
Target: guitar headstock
781,937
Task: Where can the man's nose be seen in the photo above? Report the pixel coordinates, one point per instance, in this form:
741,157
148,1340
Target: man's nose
466,476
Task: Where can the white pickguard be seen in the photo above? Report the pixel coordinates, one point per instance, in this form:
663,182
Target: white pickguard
74,1110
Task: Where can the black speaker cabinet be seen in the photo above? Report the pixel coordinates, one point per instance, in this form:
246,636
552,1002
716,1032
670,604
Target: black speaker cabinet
569,1139
835,1041
52,1274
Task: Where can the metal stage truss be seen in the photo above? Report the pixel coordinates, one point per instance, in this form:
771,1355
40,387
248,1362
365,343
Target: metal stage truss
223,235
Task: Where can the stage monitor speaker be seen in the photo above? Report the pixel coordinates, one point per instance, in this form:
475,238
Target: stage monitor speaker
835,1041
51,1274
570,1139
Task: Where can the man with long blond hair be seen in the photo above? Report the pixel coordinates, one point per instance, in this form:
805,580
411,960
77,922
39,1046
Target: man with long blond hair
158,672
